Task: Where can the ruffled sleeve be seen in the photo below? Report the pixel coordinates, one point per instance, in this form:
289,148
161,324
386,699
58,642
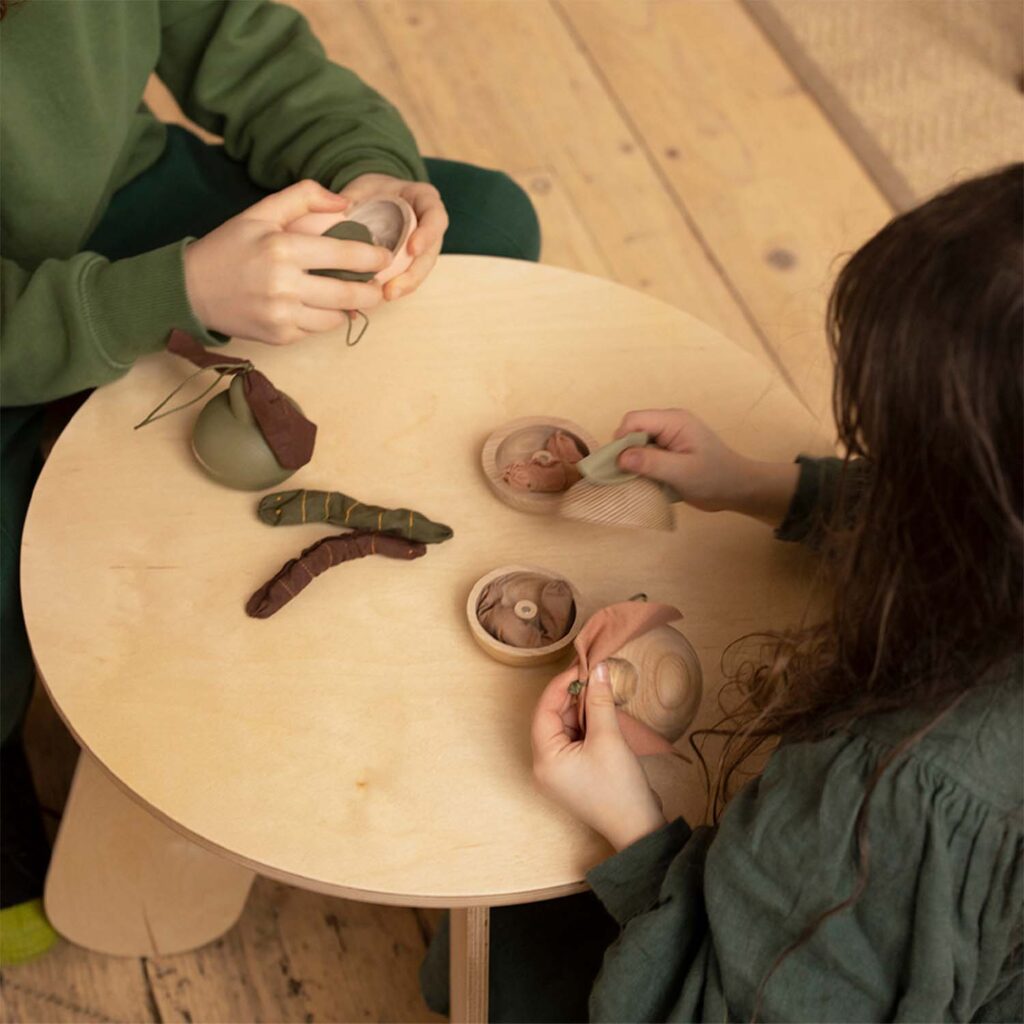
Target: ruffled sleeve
935,934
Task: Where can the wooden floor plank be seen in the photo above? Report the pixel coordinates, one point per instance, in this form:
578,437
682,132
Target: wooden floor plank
514,91
353,961
71,985
770,187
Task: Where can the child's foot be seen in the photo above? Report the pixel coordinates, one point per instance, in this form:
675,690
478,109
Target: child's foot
24,933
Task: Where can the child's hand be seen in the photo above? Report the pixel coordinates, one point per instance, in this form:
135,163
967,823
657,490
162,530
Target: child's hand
431,223
690,456
248,277
704,470
598,778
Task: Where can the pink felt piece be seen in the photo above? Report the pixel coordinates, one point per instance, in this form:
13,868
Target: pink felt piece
548,471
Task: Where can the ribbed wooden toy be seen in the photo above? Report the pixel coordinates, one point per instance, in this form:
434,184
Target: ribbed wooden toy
639,504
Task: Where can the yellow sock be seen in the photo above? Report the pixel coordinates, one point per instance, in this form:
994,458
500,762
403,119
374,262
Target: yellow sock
24,933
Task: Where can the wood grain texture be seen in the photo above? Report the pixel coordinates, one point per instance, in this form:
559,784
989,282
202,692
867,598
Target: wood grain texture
515,91
770,187
471,943
345,715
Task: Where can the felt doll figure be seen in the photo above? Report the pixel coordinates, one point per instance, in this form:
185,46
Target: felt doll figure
118,229
869,865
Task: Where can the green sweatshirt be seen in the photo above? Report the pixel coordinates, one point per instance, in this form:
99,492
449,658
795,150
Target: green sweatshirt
74,130
937,933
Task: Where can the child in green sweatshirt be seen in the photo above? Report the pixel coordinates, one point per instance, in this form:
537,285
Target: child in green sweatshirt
874,870
117,229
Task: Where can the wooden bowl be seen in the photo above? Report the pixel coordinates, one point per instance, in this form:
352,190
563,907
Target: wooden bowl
522,657
516,442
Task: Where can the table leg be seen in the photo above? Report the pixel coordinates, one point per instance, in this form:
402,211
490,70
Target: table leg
124,883
470,947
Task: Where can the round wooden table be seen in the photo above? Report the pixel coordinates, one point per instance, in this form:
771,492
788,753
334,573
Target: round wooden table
359,743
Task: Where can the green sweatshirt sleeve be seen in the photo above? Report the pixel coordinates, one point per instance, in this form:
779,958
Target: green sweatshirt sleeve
81,322
252,72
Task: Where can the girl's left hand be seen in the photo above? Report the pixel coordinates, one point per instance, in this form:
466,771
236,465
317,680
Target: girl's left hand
597,778
431,223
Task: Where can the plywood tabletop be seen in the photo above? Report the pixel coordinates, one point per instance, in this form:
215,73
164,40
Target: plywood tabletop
359,742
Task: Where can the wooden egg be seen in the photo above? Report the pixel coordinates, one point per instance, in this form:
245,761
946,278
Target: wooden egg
228,444
388,223
657,679
639,504
521,657
517,441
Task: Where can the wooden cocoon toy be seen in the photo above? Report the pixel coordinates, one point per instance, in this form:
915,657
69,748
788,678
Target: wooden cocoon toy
390,222
228,443
657,679
516,442
521,657
639,504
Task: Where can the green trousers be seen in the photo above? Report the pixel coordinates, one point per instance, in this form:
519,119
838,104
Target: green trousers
190,190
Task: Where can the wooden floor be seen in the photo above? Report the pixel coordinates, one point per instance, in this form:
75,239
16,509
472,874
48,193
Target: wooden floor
666,146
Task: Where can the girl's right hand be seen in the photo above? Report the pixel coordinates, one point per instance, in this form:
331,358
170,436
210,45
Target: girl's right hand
705,471
690,457
248,277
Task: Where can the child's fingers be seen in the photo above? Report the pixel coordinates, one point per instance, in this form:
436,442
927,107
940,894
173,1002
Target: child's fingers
602,719
411,279
665,426
318,321
430,228
318,252
553,716
329,293
655,463
293,202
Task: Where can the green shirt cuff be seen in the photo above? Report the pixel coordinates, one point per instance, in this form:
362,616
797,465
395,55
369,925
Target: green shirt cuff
828,491
629,883
131,305
799,518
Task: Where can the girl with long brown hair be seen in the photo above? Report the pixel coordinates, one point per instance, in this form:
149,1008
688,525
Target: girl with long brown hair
872,871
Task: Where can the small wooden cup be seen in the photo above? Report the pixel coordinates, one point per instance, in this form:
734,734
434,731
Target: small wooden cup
522,657
516,442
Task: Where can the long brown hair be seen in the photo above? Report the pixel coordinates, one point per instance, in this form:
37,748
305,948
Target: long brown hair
926,548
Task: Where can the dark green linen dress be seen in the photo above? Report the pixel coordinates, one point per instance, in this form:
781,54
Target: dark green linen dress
697,917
